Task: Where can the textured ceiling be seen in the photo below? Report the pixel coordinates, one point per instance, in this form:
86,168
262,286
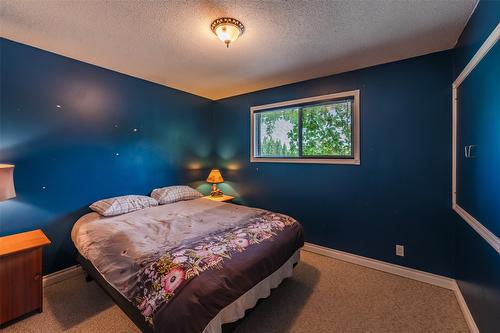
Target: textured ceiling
170,42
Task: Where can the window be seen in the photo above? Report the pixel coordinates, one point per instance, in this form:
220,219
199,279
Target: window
322,129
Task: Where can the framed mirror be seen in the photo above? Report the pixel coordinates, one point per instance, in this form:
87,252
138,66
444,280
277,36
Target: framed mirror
476,141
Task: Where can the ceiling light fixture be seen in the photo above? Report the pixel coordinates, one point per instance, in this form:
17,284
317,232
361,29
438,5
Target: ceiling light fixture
227,29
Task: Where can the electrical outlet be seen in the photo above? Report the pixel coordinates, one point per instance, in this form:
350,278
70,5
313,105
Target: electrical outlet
400,250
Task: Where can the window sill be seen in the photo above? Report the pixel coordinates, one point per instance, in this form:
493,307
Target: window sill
306,161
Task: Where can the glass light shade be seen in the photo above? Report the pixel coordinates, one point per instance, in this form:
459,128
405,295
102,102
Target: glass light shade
215,177
227,33
7,190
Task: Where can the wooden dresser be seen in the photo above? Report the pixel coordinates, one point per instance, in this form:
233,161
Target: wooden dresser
21,274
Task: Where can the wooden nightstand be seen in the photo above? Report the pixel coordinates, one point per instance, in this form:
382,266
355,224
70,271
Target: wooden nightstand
222,198
21,274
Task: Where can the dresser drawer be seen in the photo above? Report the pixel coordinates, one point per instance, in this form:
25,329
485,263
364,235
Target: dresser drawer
20,284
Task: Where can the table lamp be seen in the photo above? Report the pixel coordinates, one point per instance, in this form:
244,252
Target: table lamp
215,178
7,190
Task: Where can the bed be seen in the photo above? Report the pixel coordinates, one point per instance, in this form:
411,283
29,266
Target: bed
189,266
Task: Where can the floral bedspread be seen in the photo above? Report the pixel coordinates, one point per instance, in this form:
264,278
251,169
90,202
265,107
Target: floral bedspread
180,264
163,275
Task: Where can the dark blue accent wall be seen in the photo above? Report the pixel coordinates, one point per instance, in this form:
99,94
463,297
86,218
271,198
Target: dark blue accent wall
478,276
477,263
112,135
401,192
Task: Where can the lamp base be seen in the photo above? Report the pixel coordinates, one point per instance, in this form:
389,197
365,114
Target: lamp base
215,191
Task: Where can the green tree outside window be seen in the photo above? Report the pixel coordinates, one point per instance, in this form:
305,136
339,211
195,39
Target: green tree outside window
326,131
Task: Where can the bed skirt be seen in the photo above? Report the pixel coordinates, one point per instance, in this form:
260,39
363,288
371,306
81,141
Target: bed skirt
248,300
230,314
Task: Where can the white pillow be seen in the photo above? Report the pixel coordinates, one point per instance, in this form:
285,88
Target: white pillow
171,194
122,205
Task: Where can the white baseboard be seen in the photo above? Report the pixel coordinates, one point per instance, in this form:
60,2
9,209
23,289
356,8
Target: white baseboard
437,280
61,275
414,274
465,310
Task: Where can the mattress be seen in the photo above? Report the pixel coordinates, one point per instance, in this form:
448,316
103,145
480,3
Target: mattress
182,264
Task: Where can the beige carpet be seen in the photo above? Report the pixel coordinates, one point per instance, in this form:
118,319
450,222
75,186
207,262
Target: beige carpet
324,295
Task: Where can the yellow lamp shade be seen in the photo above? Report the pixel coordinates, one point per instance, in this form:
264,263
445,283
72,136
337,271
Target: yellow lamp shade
215,177
7,190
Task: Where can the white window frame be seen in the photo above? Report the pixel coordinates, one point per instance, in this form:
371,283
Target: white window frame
355,160
484,232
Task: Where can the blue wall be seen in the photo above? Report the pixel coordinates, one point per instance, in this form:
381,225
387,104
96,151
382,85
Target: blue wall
401,192
112,135
477,263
